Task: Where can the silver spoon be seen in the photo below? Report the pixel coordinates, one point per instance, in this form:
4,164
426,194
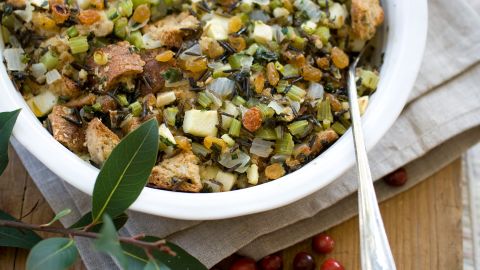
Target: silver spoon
375,253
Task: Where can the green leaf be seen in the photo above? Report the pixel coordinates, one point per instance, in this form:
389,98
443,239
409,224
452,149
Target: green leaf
137,257
64,212
155,265
86,220
108,242
52,254
7,121
12,237
126,171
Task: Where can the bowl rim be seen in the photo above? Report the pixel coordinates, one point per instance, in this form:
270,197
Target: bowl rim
407,39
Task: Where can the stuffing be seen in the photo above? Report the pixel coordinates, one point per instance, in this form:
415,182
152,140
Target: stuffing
67,133
180,173
65,88
367,15
171,30
322,140
100,141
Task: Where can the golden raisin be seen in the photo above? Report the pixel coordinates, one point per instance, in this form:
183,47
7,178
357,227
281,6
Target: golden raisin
339,58
183,143
141,13
211,47
165,56
60,13
299,60
235,24
272,74
196,64
252,119
288,5
311,73
323,62
209,141
88,17
40,20
98,4
238,43
259,82
274,171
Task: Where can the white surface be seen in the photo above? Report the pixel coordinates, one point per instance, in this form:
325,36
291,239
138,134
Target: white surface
407,26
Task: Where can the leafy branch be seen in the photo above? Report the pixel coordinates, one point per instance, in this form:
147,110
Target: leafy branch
118,185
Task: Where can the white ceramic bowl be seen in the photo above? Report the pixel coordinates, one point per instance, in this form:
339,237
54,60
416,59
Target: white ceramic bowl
405,35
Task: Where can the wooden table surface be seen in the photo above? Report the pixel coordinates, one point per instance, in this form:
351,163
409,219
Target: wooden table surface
423,224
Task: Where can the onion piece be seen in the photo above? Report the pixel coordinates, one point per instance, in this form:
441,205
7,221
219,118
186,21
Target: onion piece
13,57
194,51
276,107
237,159
25,14
221,87
310,8
315,90
38,71
150,43
53,76
261,147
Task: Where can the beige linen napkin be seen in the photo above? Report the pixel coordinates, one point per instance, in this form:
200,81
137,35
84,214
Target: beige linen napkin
441,121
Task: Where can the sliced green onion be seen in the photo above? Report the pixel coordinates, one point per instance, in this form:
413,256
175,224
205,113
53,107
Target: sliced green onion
97,107
122,99
120,28
298,127
296,93
50,60
72,31
285,145
199,149
136,39
235,127
252,49
136,108
324,111
100,58
204,100
78,44
170,115
266,134
125,8
238,100
339,128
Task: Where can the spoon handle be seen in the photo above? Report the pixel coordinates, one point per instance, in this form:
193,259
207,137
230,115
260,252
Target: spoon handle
374,247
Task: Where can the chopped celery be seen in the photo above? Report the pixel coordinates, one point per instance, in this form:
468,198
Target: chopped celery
120,28
266,134
234,129
122,99
113,14
285,145
72,31
125,8
204,100
238,100
298,127
289,71
369,79
296,93
339,128
136,108
282,85
252,49
49,59
323,33
279,132
324,111
170,115
78,44
267,112
135,38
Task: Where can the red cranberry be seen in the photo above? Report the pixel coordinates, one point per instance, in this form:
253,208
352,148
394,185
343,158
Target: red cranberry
323,243
271,262
396,178
303,261
244,264
332,264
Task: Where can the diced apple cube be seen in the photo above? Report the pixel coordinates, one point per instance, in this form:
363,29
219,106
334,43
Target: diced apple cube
201,123
227,180
217,28
165,98
262,33
42,103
